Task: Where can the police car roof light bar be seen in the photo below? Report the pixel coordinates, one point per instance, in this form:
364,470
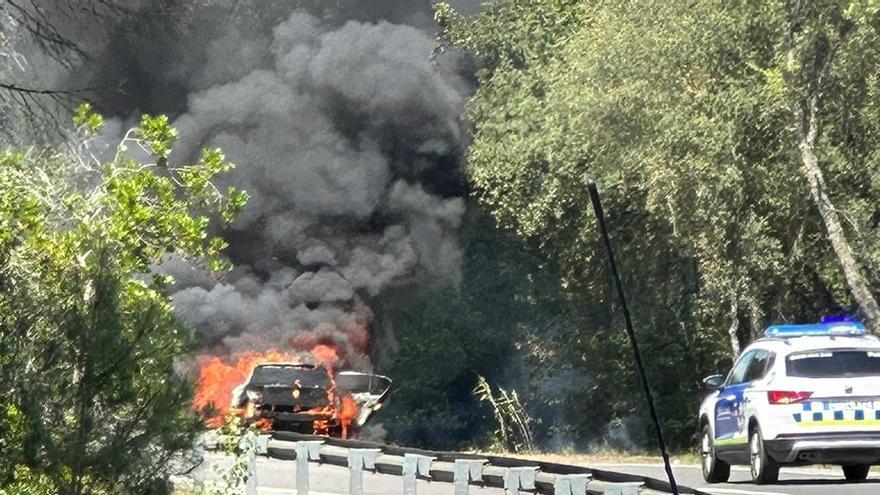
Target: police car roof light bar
836,329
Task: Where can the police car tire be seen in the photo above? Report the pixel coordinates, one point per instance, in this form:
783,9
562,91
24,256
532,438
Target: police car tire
856,472
718,471
768,471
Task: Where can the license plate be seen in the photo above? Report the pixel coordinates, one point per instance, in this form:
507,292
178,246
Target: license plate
854,404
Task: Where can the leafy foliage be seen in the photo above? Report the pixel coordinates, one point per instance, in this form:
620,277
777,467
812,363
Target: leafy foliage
85,116
443,339
158,135
89,342
239,442
683,113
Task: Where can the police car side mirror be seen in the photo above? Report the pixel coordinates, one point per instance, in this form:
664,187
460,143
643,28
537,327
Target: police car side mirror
714,382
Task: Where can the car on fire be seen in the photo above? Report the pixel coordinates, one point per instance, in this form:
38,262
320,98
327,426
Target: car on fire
802,394
310,399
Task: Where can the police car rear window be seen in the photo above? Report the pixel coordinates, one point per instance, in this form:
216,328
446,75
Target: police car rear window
834,363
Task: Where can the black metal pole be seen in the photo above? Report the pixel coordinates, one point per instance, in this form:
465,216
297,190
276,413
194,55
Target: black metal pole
661,439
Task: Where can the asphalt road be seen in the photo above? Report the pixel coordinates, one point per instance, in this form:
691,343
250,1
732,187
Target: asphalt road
799,481
277,477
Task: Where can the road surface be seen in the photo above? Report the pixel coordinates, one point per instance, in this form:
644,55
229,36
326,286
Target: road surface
278,477
794,481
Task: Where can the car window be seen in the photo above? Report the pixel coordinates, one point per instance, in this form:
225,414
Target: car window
759,366
738,373
834,363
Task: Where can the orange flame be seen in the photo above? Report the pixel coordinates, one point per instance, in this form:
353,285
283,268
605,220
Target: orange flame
326,355
217,379
348,411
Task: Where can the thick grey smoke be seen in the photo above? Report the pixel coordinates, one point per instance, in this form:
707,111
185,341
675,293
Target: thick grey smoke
345,132
331,137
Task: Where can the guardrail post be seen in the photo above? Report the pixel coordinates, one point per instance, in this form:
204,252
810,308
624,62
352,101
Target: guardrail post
414,465
255,445
622,488
248,447
519,478
305,451
571,484
358,460
262,444
465,471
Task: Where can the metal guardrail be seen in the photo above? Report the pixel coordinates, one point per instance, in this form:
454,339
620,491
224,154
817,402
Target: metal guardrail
460,469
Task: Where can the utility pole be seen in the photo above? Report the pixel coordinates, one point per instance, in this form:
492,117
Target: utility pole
649,397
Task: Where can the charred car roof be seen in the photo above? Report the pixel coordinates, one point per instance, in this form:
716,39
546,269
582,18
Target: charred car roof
308,375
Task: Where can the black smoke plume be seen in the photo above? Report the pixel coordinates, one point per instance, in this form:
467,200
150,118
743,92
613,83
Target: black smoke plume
345,133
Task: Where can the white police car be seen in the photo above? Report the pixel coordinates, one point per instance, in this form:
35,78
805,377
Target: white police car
803,394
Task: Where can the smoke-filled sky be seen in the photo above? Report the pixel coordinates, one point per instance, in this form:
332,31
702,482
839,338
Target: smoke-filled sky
333,137
345,133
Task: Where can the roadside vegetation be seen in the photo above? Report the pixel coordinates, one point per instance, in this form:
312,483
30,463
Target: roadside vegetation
89,342
734,144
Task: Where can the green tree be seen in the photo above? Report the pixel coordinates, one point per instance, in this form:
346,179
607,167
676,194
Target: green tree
444,338
733,142
828,66
88,340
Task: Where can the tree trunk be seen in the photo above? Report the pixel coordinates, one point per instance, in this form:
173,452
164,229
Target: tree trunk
733,330
806,88
756,318
833,227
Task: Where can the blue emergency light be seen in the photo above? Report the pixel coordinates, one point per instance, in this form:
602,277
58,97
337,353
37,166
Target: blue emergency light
829,329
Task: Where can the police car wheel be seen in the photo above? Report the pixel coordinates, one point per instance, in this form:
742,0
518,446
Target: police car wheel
764,469
856,472
714,469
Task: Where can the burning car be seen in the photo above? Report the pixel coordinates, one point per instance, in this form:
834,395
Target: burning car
310,399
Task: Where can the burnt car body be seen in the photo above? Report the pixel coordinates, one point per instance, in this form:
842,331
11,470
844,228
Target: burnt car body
309,399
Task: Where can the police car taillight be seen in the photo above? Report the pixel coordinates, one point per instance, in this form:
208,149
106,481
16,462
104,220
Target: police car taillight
785,397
